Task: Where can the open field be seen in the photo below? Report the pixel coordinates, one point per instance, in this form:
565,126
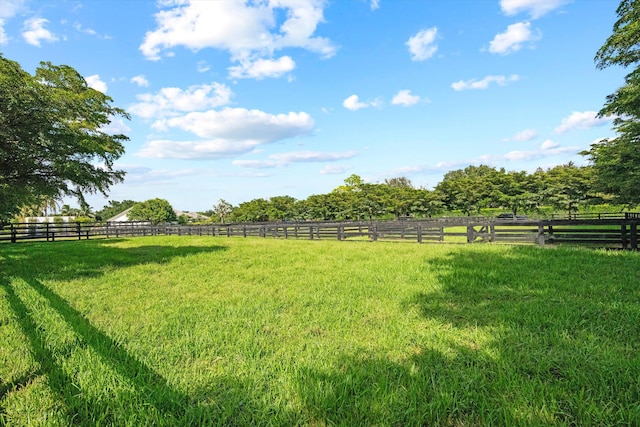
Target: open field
172,330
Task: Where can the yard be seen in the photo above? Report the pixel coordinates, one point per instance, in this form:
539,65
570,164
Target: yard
191,330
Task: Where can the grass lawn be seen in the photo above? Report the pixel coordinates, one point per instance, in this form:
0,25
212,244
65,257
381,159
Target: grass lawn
183,331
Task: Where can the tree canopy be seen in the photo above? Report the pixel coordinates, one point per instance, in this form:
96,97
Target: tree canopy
156,211
53,141
616,161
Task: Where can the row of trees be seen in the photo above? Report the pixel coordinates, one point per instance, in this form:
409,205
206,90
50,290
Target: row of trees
468,191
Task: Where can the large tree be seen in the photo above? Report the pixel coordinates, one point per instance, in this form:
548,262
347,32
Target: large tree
567,187
470,189
616,161
53,141
156,211
222,210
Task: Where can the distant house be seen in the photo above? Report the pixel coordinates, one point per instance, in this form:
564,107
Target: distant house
121,217
193,216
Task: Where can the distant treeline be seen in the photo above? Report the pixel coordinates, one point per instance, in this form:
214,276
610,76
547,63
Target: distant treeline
469,191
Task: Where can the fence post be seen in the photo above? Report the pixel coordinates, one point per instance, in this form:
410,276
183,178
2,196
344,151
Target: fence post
374,232
311,232
634,235
419,233
340,231
78,230
470,233
625,241
541,234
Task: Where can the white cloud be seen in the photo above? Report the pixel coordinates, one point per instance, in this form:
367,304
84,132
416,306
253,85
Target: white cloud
484,83
257,164
94,82
549,145
138,174
375,4
353,103
203,67
249,31
536,8
34,32
261,68
243,124
230,131
9,9
523,136
547,149
582,120
422,46
194,150
426,169
513,38
405,98
4,38
284,159
169,101
334,169
312,156
140,80
79,28
117,126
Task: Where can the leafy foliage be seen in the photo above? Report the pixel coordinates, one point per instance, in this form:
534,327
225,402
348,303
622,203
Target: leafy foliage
251,211
469,190
566,187
222,210
156,211
52,137
616,161
621,48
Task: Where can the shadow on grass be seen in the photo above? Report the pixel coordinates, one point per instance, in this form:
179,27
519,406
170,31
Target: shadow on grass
148,398
70,260
532,337
520,337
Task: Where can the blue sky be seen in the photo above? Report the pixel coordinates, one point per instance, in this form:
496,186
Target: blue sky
242,99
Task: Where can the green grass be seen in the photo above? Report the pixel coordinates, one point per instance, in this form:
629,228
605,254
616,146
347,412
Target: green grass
215,331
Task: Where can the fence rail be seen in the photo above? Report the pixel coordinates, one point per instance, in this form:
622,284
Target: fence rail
603,215
609,233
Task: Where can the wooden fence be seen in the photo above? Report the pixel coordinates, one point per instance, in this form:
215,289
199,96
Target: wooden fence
597,215
609,233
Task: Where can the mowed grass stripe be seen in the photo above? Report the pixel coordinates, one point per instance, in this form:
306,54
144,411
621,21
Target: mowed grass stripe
201,330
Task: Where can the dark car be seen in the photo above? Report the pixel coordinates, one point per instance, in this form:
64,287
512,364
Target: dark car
511,216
